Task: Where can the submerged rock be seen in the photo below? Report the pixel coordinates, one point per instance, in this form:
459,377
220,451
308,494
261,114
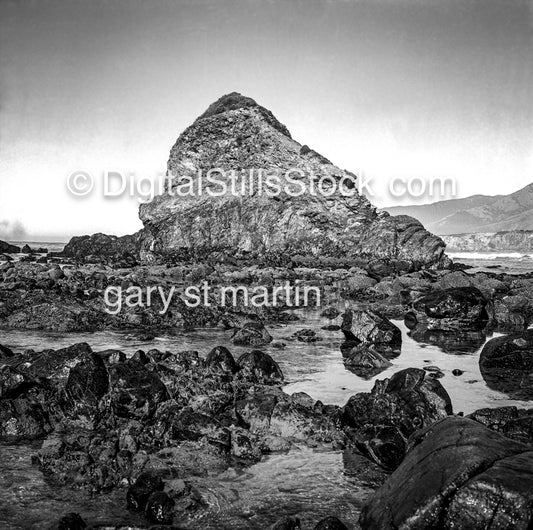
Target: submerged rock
365,361
458,474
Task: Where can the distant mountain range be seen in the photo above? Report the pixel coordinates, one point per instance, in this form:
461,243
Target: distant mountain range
478,213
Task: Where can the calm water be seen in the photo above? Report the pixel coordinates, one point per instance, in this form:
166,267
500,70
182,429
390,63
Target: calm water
303,482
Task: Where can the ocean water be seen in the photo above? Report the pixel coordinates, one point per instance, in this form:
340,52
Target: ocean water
494,261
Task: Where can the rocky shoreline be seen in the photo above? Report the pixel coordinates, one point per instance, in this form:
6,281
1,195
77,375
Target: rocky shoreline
147,423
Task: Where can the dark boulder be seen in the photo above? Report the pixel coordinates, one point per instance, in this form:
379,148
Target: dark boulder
371,327
87,384
458,474
506,364
22,418
449,309
135,391
259,367
56,364
220,358
380,422
512,422
252,334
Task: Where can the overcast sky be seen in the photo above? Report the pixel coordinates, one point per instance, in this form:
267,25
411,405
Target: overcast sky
414,88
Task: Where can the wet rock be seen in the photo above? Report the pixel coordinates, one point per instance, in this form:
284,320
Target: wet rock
259,367
506,364
87,383
330,523
160,508
134,392
369,326
252,334
449,309
306,335
365,360
22,418
457,372
141,357
512,422
70,521
458,474
330,312
56,364
26,249
508,320
140,491
220,358
395,409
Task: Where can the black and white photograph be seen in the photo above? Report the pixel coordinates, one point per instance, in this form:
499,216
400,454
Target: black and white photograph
266,264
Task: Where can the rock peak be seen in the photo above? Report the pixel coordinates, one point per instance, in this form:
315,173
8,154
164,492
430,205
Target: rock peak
235,101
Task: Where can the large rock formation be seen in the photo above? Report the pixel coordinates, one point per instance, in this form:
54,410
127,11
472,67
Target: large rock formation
235,133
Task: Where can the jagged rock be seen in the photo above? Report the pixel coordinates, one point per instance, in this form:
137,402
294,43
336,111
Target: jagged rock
510,421
252,334
449,309
103,245
221,358
370,327
506,364
87,383
26,249
134,392
243,136
56,364
22,419
380,422
260,367
458,474
7,248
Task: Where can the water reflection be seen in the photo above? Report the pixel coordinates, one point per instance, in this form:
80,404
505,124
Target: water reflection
453,342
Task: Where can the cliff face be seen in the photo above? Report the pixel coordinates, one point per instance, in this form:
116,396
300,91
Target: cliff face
476,214
513,241
237,134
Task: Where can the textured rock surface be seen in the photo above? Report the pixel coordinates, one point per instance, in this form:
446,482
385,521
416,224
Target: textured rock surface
380,422
459,474
506,364
237,134
8,248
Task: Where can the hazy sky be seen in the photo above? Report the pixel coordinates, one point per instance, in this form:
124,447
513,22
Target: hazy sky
424,88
